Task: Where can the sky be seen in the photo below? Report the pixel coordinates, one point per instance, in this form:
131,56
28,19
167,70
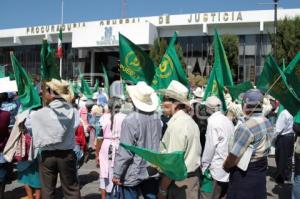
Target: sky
25,13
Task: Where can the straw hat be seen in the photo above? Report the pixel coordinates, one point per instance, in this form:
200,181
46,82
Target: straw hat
198,92
97,110
176,91
62,88
143,97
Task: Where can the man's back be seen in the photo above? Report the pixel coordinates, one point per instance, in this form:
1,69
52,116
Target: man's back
219,132
256,131
138,129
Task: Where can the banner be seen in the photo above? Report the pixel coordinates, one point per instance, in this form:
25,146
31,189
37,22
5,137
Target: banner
171,164
169,69
135,64
220,75
2,71
273,80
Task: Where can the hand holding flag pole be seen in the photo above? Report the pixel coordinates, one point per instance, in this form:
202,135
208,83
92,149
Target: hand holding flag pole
267,92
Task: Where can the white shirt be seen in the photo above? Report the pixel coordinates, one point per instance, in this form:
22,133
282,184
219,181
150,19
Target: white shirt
284,123
219,131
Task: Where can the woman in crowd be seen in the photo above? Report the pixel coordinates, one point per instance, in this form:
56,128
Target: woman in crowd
94,120
28,170
111,127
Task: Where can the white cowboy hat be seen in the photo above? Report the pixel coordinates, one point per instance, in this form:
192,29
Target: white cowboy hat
95,96
143,97
176,91
198,92
62,88
213,102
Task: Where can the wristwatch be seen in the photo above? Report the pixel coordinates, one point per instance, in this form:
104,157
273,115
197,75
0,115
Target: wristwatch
162,192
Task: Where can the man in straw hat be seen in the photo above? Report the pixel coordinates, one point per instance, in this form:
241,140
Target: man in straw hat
182,134
219,131
247,160
53,129
141,128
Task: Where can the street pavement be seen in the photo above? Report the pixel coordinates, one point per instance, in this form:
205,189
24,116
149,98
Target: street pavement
88,175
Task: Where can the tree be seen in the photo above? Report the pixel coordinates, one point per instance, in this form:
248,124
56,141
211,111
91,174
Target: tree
231,46
197,80
159,48
288,39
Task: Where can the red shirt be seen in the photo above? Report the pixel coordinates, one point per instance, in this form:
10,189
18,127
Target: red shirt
80,137
4,133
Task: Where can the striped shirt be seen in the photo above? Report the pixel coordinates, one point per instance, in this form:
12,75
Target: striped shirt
256,131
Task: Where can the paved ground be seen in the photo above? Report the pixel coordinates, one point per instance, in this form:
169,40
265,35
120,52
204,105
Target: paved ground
88,176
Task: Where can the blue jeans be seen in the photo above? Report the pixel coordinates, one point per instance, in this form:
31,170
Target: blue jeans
296,184
148,188
296,187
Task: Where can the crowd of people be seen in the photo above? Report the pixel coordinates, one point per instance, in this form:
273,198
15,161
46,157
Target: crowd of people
225,152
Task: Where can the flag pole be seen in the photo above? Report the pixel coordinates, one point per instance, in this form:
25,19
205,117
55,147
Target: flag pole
62,21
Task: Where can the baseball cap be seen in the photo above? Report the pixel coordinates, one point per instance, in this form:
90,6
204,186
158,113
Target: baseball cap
253,97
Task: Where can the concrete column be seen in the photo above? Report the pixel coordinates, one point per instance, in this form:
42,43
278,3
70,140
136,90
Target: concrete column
261,26
205,28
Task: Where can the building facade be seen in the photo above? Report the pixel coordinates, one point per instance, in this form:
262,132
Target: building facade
87,45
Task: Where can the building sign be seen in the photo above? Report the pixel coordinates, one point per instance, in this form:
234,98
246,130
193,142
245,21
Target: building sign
108,38
215,17
119,21
159,20
35,30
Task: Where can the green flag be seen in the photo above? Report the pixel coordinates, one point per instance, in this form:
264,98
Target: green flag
236,90
106,80
75,88
169,69
135,64
221,64
11,76
2,71
28,95
292,73
49,67
272,76
171,164
96,86
215,88
85,88
297,117
220,75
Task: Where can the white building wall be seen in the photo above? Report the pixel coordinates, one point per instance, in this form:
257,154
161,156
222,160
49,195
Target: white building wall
233,22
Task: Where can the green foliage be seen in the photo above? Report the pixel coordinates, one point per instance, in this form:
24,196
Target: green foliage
231,46
197,80
159,48
288,38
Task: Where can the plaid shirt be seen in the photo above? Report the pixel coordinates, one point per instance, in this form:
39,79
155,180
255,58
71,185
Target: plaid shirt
256,131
